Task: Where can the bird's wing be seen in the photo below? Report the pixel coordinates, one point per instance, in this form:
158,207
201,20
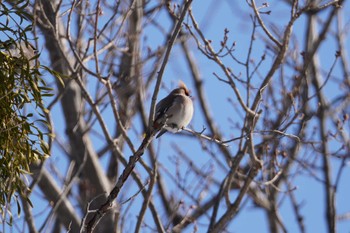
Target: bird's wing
162,107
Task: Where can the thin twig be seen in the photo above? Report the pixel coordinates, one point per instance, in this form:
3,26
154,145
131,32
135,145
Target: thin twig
171,42
262,24
201,135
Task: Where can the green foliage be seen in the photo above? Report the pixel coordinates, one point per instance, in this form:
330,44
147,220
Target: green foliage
22,113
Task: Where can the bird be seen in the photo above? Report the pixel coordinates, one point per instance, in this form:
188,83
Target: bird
176,110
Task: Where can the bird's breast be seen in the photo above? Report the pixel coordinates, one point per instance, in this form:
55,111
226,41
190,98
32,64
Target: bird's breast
181,113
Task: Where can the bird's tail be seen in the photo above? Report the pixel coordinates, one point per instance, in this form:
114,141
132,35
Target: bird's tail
163,131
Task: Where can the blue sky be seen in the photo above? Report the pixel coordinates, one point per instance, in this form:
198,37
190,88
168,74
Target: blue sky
213,18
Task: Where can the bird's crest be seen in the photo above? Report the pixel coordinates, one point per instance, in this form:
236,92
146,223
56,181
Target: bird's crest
182,85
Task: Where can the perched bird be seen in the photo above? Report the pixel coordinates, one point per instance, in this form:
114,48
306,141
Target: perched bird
176,108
